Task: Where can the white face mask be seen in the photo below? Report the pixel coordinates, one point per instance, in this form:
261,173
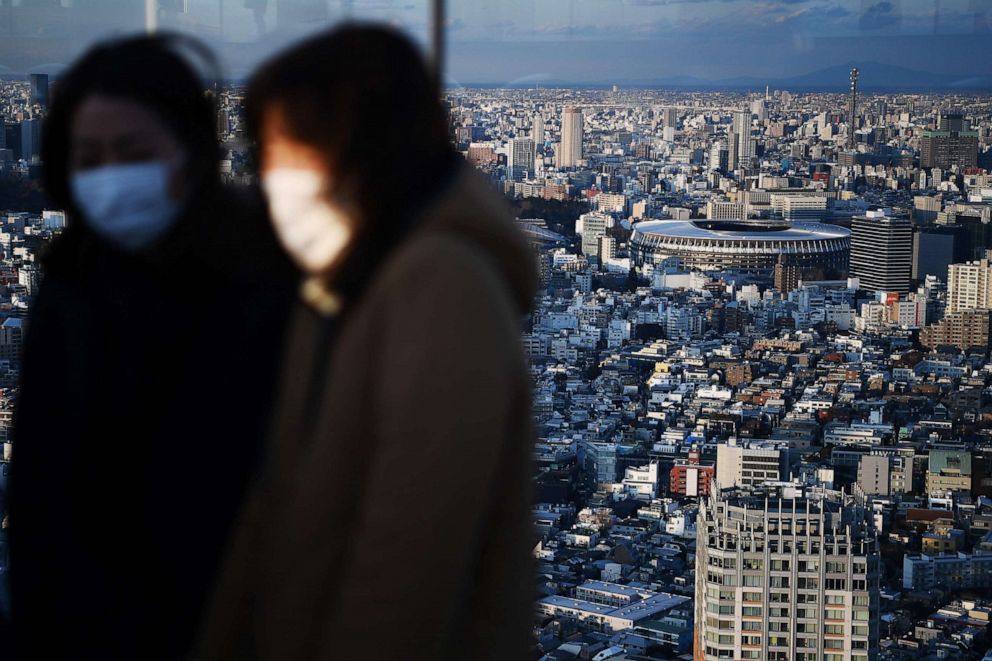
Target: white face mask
313,231
129,205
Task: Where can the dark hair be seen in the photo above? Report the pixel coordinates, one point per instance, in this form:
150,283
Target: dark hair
363,96
153,71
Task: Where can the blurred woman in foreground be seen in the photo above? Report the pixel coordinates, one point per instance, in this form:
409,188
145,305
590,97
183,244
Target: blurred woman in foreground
148,364
395,521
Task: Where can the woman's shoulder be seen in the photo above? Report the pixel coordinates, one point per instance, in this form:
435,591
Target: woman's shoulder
464,246
437,261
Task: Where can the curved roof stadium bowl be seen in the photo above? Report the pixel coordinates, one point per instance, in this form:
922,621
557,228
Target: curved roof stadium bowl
746,246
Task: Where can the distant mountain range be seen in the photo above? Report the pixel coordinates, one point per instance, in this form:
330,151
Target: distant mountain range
874,76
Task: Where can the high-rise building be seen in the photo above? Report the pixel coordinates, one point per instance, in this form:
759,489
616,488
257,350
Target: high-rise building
953,143
790,574
733,148
969,286
882,252
607,248
718,156
520,158
31,140
570,149
39,89
965,329
670,117
852,109
759,108
803,209
745,143
594,226
936,247
537,130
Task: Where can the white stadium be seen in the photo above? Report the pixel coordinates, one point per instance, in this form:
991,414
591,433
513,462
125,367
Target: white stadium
745,247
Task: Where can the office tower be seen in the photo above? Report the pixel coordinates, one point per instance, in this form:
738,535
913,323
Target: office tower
520,158
953,143
570,152
12,139
969,286
759,109
745,143
882,252
936,247
802,208
852,109
952,121
31,140
646,180
718,156
39,89
594,226
670,117
788,574
733,148
725,210
537,130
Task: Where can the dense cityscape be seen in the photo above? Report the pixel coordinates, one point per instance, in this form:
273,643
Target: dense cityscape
760,359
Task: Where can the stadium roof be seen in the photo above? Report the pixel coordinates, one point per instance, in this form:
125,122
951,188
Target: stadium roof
740,230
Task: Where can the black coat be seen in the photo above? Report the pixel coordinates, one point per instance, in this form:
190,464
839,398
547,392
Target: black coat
143,405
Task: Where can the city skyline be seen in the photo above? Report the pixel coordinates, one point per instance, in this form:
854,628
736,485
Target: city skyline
735,43
760,352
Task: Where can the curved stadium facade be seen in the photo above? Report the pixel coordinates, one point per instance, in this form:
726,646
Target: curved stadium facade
747,248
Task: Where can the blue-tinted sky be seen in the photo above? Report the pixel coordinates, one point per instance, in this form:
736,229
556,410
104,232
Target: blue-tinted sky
577,41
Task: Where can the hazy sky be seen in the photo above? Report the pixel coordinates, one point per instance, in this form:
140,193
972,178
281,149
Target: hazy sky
580,41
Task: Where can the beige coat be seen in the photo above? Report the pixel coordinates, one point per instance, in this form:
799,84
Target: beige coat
397,526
